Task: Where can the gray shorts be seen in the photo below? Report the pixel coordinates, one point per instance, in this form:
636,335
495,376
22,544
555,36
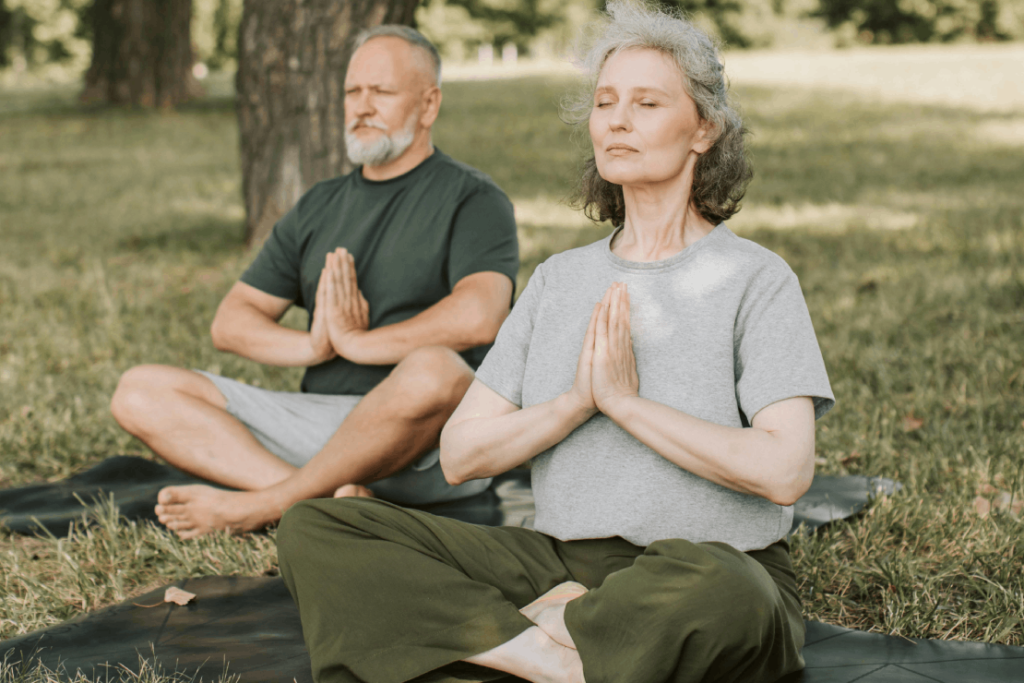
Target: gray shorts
296,426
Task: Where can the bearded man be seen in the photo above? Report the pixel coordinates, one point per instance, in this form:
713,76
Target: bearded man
407,268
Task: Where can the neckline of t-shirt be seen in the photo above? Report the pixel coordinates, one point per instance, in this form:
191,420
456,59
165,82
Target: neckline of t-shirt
672,261
363,180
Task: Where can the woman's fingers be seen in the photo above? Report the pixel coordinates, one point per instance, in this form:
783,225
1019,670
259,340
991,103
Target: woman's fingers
588,338
625,340
601,334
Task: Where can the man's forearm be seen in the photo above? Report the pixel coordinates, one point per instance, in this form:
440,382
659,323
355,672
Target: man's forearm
252,335
460,321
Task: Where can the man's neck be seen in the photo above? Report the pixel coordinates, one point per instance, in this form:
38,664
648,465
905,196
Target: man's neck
418,152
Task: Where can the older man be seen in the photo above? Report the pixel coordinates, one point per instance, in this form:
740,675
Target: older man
406,267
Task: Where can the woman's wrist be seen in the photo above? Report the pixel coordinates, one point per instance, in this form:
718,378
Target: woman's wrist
572,410
619,408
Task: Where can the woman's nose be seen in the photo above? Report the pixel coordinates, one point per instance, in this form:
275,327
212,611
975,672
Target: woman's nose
619,119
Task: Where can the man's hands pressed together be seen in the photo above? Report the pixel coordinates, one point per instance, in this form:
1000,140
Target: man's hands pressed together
348,313
341,315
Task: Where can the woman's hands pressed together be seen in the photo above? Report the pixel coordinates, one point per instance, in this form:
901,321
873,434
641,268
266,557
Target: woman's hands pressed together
606,370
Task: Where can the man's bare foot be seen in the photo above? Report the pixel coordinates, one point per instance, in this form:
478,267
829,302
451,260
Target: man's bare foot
548,611
353,491
195,510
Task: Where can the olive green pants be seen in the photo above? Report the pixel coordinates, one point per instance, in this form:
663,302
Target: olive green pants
387,594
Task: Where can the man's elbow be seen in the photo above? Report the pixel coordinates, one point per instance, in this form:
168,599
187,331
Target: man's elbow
481,330
219,334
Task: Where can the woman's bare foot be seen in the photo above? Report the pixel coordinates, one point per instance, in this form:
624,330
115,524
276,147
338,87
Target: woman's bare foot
195,510
535,656
548,611
353,491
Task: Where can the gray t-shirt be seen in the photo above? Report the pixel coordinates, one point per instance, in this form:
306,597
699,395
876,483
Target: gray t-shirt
720,330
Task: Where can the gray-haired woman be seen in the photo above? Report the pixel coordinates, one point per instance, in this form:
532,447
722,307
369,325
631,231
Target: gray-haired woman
665,382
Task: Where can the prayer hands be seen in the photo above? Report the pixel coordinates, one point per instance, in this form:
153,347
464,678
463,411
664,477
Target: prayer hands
319,337
606,370
345,311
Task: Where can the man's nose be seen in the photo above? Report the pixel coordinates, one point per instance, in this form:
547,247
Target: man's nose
362,105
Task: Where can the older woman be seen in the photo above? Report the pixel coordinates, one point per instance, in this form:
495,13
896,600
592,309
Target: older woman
665,383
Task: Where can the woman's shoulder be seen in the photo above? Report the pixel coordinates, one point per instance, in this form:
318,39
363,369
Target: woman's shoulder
572,260
758,261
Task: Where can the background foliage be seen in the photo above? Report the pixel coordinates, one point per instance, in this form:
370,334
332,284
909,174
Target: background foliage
53,37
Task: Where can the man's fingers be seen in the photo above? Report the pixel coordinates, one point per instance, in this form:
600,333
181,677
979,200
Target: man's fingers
341,277
321,291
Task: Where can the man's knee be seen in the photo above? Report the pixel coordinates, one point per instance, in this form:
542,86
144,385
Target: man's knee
145,390
432,379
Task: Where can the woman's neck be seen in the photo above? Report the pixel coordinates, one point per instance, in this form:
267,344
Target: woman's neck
660,221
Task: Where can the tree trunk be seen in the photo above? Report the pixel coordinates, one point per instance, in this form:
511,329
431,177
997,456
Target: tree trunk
292,56
142,53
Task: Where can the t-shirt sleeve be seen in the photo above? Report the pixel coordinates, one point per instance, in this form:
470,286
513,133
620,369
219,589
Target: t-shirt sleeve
484,237
505,364
776,351
276,269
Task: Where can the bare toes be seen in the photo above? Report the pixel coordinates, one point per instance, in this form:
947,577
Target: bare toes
353,491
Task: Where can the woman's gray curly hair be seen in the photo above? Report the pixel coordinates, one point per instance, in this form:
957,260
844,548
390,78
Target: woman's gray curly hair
723,172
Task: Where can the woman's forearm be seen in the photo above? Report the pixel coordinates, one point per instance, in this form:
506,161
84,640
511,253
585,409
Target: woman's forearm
479,447
778,466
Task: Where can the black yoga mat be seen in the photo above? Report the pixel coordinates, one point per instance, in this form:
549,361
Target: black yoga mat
134,483
252,624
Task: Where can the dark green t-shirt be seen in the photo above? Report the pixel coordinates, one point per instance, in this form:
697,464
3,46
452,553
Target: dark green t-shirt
412,237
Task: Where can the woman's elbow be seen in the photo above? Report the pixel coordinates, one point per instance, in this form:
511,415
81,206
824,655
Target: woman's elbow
452,462
790,489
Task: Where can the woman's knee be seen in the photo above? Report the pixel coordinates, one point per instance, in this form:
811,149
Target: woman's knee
292,533
719,580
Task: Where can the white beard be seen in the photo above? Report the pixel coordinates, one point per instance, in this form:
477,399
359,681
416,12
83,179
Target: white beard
385,149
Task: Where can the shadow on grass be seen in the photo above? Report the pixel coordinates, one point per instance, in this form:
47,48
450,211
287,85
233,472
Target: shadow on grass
209,235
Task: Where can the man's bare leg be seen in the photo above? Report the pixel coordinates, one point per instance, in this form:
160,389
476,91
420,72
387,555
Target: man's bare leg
182,416
390,427
535,656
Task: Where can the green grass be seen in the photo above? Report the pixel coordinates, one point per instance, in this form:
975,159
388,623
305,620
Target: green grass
122,230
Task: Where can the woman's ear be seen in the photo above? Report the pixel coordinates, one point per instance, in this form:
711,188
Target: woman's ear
707,133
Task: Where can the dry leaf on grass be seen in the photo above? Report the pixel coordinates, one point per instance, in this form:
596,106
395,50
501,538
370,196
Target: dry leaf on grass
983,506
178,596
911,423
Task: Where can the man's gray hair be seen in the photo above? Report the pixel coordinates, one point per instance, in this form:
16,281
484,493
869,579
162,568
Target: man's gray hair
409,35
722,173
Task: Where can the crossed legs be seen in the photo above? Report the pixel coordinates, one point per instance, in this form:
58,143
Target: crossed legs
182,416
387,594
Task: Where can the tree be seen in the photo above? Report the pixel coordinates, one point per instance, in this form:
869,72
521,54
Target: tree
142,53
292,57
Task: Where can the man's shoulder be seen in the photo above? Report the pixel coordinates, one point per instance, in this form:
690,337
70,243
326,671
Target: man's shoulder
471,179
